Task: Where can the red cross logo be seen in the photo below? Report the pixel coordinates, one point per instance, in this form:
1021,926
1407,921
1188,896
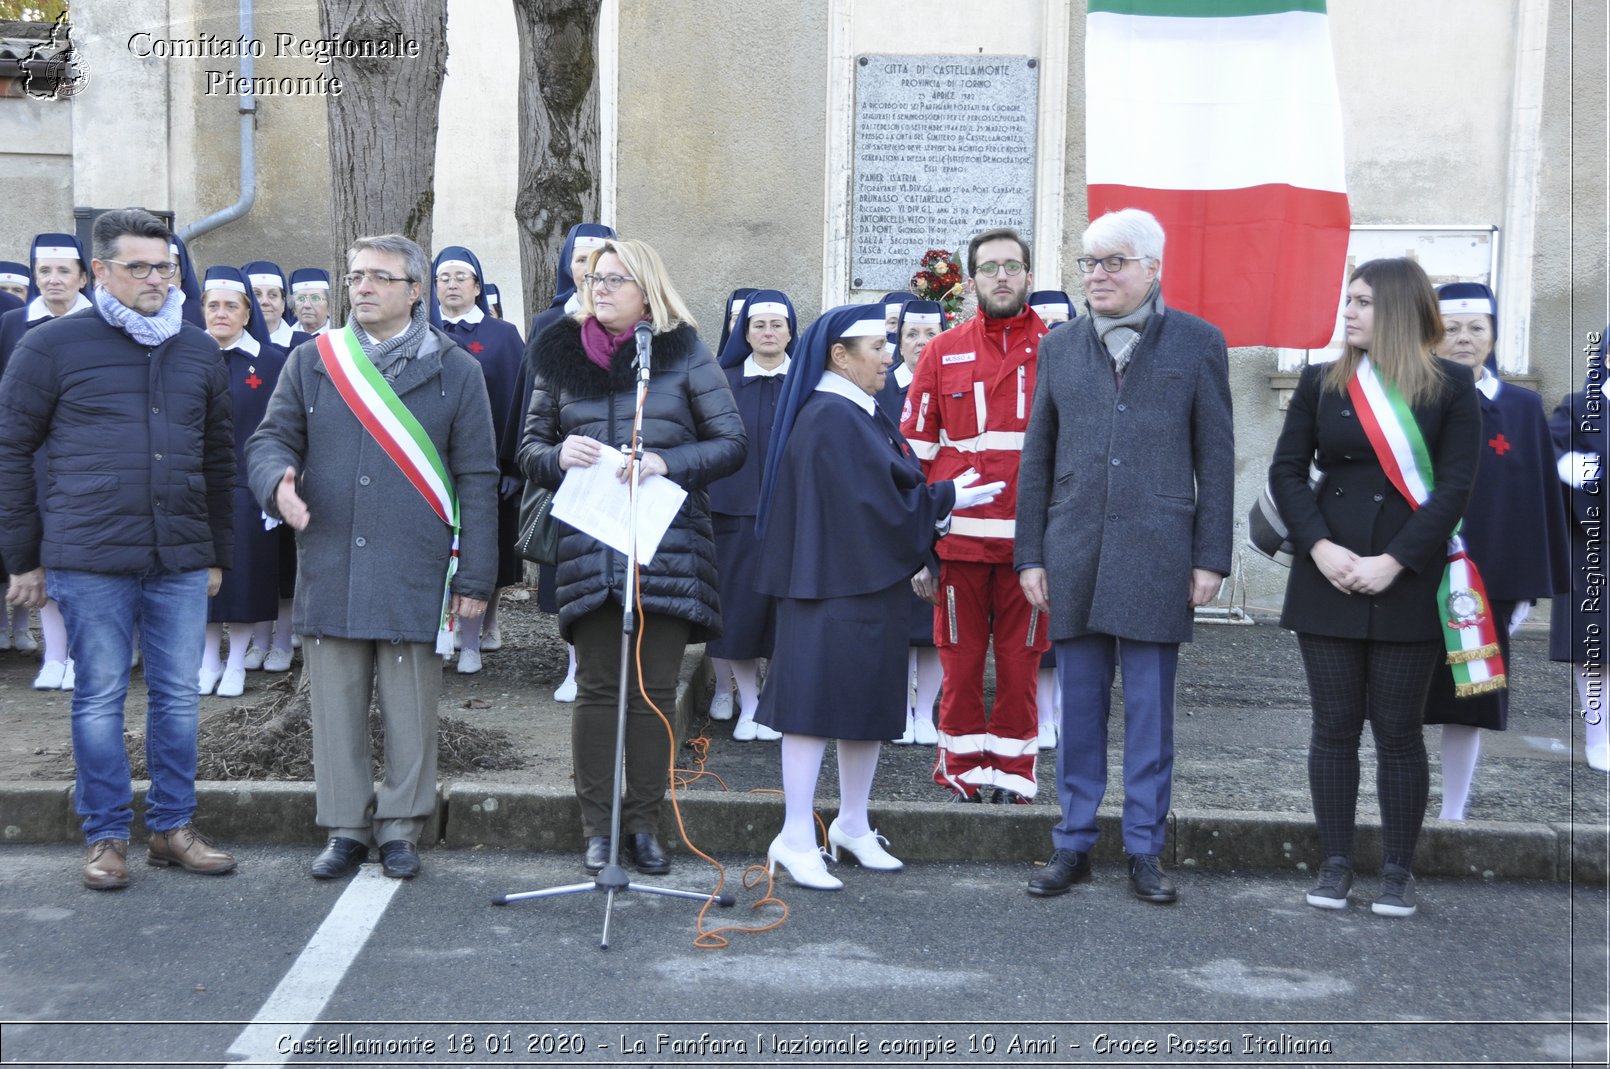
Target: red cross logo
254,381
476,347
1500,444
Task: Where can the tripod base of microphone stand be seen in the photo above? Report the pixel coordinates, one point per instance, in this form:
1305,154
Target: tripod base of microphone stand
613,880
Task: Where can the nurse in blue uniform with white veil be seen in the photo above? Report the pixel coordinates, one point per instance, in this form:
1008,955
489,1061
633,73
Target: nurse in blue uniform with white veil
1514,527
458,307
845,520
580,243
919,323
58,275
249,594
756,361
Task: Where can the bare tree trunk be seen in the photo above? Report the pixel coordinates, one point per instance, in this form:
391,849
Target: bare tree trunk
383,123
558,134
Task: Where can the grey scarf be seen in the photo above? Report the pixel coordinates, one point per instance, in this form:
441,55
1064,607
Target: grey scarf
390,355
145,329
1120,334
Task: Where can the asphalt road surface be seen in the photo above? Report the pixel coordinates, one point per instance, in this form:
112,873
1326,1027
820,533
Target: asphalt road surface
939,965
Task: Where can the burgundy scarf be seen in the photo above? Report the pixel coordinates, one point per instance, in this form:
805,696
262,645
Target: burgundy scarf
600,344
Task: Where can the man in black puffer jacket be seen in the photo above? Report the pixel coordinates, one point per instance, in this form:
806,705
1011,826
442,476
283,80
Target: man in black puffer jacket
131,405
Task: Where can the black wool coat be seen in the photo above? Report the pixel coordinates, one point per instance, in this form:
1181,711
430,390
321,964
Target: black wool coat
689,419
1359,509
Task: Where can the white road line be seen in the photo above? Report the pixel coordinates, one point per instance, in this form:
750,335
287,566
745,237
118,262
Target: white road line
296,1003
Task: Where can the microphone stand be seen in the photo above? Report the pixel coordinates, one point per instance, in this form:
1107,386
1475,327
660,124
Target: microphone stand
612,879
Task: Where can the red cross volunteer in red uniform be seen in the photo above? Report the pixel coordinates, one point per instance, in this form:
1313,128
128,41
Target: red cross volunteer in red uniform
967,407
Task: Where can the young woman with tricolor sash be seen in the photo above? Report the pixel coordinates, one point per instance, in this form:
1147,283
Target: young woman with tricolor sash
1381,594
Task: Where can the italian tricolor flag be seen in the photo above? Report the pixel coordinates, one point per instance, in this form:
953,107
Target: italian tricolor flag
1221,118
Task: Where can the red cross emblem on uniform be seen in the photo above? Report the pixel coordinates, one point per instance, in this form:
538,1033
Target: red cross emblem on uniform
475,347
1500,444
253,381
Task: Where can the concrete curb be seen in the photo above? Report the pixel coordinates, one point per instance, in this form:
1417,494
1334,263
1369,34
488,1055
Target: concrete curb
542,818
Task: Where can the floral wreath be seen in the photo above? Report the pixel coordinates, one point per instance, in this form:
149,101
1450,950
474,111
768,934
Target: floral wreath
939,278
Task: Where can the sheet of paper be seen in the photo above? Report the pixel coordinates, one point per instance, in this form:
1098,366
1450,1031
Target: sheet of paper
593,500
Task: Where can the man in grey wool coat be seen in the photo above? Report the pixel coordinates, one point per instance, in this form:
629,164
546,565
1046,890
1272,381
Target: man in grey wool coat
372,545
1125,518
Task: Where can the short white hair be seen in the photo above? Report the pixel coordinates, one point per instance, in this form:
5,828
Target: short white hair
1132,228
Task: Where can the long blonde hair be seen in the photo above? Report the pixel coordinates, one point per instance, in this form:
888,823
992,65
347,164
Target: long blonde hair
1408,322
666,308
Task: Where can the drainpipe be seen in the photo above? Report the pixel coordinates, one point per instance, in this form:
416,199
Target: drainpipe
248,145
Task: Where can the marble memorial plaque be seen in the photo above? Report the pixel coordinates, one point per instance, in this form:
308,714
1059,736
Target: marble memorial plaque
944,148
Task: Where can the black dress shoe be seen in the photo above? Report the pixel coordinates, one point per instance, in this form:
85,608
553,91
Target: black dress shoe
399,859
1146,877
1066,868
597,854
646,854
339,857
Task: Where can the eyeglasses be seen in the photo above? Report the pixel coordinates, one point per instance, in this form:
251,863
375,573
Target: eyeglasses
990,269
310,299
460,277
355,278
607,283
141,269
1110,264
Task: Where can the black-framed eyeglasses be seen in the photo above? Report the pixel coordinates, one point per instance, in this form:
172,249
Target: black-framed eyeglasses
1110,264
990,269
355,278
141,269
607,283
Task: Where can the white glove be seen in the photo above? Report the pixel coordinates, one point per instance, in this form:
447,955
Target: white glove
969,493
1523,609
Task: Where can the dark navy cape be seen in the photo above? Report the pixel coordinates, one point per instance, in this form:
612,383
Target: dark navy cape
251,588
497,347
850,521
747,616
1579,628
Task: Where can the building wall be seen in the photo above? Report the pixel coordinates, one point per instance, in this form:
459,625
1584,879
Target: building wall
721,122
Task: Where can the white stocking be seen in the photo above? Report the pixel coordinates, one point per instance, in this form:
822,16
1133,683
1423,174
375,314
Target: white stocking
469,633
1048,698
238,634
263,635
570,672
489,619
53,631
1461,746
746,674
210,661
858,761
924,664
282,627
802,763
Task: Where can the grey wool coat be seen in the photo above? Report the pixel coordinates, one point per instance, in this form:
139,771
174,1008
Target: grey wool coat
371,562
1121,492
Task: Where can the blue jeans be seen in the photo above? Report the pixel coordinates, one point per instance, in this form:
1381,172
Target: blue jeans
170,609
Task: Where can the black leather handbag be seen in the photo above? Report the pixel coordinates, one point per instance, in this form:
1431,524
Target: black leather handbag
539,531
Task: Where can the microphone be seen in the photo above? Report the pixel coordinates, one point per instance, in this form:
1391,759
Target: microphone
645,344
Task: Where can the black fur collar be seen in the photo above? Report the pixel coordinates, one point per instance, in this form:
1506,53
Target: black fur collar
557,356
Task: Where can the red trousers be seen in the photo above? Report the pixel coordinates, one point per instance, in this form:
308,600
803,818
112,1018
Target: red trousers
978,601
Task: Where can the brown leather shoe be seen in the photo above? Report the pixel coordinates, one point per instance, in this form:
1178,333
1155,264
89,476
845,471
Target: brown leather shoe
189,849
106,866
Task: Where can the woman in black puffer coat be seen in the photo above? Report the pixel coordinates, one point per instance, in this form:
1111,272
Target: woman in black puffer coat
583,398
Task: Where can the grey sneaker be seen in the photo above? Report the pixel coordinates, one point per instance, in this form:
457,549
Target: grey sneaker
1335,880
1397,893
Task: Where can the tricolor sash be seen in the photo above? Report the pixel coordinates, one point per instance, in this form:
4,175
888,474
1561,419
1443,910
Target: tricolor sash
394,428
1468,629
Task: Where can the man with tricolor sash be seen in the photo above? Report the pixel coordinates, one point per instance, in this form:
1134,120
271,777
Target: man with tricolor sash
378,450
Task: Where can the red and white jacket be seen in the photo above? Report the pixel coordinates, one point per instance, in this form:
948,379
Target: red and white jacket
967,407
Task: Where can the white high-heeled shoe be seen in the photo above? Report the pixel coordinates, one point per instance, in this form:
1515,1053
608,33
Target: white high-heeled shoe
868,849
1047,738
805,867
910,735
207,682
923,728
